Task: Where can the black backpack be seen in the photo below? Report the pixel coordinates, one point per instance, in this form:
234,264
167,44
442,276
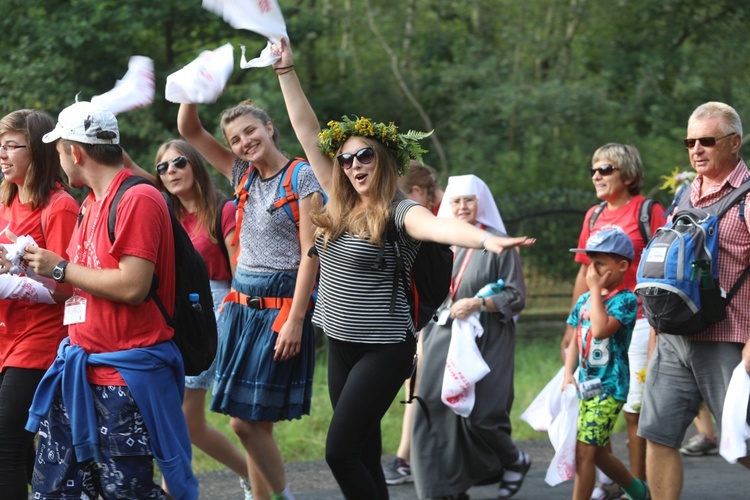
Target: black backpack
217,230
195,332
430,277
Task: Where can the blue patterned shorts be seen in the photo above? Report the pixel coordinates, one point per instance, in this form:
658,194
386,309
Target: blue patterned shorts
127,467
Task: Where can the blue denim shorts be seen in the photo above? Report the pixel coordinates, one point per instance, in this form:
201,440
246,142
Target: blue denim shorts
127,467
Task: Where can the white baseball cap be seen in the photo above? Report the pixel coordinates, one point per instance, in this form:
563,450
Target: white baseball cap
87,123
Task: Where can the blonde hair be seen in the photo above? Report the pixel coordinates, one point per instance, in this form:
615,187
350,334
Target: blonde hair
628,159
341,213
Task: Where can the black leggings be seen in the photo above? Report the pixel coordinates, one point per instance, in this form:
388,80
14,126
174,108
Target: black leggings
17,387
363,380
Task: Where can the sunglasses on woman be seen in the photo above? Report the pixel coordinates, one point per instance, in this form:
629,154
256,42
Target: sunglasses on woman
604,170
706,142
177,161
364,156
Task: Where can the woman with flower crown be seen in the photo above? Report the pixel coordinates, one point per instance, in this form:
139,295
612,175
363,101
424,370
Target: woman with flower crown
371,351
266,353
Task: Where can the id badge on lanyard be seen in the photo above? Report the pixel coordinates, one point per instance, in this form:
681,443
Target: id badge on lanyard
75,309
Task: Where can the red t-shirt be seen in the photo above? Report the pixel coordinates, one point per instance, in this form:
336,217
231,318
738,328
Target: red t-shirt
624,218
144,230
30,332
218,267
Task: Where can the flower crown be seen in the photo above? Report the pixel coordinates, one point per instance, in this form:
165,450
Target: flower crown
404,146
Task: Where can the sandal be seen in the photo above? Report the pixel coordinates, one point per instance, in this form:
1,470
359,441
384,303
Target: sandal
513,476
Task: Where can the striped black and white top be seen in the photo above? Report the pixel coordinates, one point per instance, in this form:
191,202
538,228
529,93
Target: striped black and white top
354,298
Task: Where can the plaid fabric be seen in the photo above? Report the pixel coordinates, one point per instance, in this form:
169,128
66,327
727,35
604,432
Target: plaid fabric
734,257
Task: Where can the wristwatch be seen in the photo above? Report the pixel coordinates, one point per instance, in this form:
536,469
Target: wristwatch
58,272
484,305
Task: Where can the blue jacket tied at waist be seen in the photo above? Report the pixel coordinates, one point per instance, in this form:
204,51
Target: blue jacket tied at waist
155,377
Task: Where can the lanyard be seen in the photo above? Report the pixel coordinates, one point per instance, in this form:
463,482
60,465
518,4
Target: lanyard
87,246
464,264
583,354
460,274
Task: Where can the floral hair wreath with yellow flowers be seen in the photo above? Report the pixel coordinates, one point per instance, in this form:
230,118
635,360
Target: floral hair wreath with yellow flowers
405,147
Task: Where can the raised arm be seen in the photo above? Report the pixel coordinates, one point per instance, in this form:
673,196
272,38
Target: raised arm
191,129
301,115
422,225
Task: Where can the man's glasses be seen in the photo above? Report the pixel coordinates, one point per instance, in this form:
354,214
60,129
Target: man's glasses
364,156
11,147
177,161
706,142
604,170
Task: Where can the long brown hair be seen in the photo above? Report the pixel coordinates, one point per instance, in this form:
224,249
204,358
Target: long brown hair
206,196
44,169
422,176
341,213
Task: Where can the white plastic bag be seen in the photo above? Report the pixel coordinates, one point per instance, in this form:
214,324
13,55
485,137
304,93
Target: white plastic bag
464,366
545,407
562,434
203,80
259,16
734,429
135,90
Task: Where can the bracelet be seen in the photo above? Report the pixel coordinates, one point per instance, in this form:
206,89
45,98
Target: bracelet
287,68
285,72
484,305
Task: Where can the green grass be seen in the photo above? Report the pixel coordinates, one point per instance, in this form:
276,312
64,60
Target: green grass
537,361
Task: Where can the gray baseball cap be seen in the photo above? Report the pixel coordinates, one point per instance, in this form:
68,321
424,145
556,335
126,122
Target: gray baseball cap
87,123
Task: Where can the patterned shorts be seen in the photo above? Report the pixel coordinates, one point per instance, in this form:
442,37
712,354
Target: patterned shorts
596,419
126,469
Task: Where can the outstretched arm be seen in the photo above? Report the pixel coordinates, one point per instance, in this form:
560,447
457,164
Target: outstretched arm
191,129
422,225
301,115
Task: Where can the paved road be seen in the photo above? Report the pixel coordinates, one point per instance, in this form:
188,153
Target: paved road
705,478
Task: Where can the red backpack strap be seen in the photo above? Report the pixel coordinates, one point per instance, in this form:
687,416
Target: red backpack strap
290,196
241,194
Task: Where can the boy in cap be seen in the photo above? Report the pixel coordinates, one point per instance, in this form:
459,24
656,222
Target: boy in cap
603,319
111,401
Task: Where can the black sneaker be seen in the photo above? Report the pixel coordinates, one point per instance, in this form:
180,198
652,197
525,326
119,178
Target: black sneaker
398,472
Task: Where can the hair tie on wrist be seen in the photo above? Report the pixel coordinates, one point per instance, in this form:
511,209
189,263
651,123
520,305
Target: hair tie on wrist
486,236
291,68
284,67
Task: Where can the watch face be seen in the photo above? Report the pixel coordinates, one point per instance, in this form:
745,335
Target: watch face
57,273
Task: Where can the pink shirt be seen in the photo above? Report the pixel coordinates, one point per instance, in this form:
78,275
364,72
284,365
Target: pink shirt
734,257
218,267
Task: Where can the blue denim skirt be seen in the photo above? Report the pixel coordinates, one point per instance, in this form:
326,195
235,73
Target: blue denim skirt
249,384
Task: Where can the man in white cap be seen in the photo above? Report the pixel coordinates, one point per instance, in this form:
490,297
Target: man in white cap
111,402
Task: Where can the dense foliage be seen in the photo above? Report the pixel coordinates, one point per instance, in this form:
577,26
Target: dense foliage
519,92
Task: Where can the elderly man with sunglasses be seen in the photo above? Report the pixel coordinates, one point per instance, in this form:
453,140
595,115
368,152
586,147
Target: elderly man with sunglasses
684,371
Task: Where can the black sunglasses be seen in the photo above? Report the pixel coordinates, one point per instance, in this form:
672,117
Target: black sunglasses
177,161
706,142
364,156
604,170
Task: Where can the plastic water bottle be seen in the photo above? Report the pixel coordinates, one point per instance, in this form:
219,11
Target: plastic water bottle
492,288
194,299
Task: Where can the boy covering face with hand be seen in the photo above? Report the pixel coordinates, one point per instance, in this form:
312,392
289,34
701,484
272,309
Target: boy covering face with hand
603,319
